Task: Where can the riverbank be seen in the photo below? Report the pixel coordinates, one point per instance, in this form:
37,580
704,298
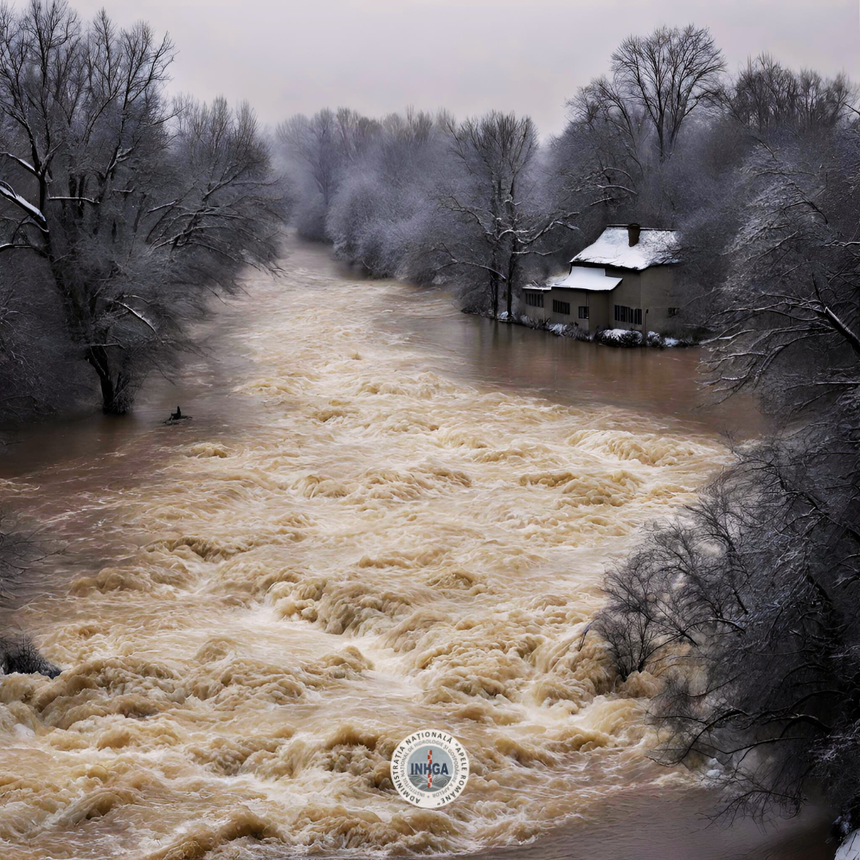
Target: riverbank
617,337
383,516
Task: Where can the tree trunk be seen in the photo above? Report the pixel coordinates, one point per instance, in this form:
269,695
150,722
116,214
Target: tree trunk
112,403
512,274
513,223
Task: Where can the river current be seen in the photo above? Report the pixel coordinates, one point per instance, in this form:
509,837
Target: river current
383,516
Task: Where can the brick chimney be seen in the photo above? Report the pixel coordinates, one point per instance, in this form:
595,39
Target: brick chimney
633,231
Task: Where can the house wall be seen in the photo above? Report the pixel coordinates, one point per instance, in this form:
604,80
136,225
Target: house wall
537,314
659,294
575,298
600,307
652,291
600,304
596,302
627,294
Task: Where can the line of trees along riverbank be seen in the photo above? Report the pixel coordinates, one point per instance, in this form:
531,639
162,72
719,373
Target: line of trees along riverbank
746,605
121,209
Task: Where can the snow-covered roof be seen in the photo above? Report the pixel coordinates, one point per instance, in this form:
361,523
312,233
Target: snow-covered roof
655,247
585,278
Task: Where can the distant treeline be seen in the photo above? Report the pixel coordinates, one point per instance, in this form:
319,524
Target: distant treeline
666,138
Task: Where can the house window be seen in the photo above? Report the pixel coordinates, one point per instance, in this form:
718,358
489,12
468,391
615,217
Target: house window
582,312
534,300
560,307
628,315
673,312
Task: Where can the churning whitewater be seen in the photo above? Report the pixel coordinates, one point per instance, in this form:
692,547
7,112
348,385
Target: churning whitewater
381,549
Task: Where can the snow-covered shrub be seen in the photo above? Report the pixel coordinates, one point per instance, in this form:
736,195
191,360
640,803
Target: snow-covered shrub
619,337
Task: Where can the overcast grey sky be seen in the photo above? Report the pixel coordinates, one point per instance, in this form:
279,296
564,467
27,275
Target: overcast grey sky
467,55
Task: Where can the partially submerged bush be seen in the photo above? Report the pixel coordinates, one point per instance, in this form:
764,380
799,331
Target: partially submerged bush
21,655
18,653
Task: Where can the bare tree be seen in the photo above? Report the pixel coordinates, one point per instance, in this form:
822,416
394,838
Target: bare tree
744,607
381,210
606,138
128,206
493,198
625,128
314,143
34,361
768,96
791,306
319,151
666,76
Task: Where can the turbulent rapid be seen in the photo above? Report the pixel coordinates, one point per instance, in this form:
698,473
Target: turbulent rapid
373,546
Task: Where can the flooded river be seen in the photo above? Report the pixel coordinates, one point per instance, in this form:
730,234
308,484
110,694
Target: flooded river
384,516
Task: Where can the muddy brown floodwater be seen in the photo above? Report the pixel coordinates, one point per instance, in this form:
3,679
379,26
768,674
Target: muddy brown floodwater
385,515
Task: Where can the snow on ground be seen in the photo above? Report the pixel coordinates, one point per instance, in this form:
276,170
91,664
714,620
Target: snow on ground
609,337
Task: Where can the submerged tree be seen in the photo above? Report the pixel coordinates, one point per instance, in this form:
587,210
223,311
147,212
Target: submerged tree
130,207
